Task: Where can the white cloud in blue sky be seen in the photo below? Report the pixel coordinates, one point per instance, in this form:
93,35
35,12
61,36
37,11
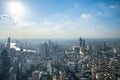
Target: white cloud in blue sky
86,16
62,19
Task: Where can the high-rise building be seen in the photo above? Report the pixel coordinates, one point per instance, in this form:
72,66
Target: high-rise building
8,44
54,55
80,42
50,47
16,69
4,65
46,49
41,50
83,44
50,44
104,46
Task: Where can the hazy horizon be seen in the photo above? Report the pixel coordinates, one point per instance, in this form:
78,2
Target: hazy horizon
60,19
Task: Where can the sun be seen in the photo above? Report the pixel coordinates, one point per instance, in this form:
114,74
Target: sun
16,8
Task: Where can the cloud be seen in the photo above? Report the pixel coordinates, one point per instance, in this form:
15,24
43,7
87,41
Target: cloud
101,14
64,28
14,20
48,22
112,6
86,16
5,17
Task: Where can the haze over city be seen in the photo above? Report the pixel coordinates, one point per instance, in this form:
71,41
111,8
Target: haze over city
60,18
59,39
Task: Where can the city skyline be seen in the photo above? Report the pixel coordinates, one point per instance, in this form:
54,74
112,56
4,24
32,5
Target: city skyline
59,19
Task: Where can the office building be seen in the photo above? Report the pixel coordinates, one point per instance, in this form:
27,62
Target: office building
80,42
4,65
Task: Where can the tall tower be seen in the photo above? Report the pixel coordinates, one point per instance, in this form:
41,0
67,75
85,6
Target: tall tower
50,44
54,56
83,44
80,42
8,44
50,47
46,48
4,65
104,46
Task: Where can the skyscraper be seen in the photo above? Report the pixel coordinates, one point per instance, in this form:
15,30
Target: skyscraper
50,47
80,42
4,65
50,44
83,44
46,48
54,55
104,46
8,44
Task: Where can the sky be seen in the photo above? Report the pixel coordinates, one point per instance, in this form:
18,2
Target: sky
60,18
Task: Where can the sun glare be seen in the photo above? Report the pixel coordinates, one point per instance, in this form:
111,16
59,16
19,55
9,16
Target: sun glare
16,8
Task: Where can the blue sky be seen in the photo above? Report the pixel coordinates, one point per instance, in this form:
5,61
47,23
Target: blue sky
60,18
